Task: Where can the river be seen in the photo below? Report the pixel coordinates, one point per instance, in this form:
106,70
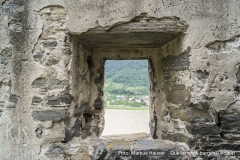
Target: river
118,121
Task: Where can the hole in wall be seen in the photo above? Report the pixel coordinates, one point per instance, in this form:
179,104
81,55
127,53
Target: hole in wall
126,101
89,61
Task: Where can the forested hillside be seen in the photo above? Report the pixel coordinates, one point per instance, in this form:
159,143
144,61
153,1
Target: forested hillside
126,77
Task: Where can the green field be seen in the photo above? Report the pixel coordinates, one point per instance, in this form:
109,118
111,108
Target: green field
122,89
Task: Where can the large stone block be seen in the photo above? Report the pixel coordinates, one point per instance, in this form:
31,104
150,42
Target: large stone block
180,137
232,137
64,98
12,6
73,131
176,63
141,31
209,142
191,115
204,128
231,146
178,95
49,115
230,122
49,83
221,146
144,149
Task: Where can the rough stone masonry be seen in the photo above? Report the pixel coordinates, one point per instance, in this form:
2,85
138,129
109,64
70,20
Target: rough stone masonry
52,56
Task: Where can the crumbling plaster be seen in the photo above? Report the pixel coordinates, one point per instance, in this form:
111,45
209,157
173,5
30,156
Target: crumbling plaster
47,79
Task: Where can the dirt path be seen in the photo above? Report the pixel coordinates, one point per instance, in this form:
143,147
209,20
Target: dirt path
126,121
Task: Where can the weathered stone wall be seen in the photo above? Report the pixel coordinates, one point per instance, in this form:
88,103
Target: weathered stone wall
52,56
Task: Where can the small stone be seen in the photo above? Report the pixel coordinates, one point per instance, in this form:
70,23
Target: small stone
16,27
98,80
100,152
4,60
38,54
165,112
214,46
66,51
98,104
55,149
49,43
52,60
205,105
36,99
13,98
38,132
202,75
6,56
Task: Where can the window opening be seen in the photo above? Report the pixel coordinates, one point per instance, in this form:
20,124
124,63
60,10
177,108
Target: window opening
126,97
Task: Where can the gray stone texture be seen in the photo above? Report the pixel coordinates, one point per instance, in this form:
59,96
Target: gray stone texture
230,122
48,83
55,149
176,63
6,56
204,128
13,98
181,137
49,115
63,98
36,99
178,95
73,131
190,115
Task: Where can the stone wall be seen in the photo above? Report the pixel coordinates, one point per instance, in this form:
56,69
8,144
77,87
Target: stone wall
52,56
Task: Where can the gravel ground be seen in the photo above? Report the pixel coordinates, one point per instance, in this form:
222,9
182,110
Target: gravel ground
126,121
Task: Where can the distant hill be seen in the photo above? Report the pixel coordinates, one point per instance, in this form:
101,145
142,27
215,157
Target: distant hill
126,77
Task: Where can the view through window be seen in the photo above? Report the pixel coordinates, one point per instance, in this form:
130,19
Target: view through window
126,103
